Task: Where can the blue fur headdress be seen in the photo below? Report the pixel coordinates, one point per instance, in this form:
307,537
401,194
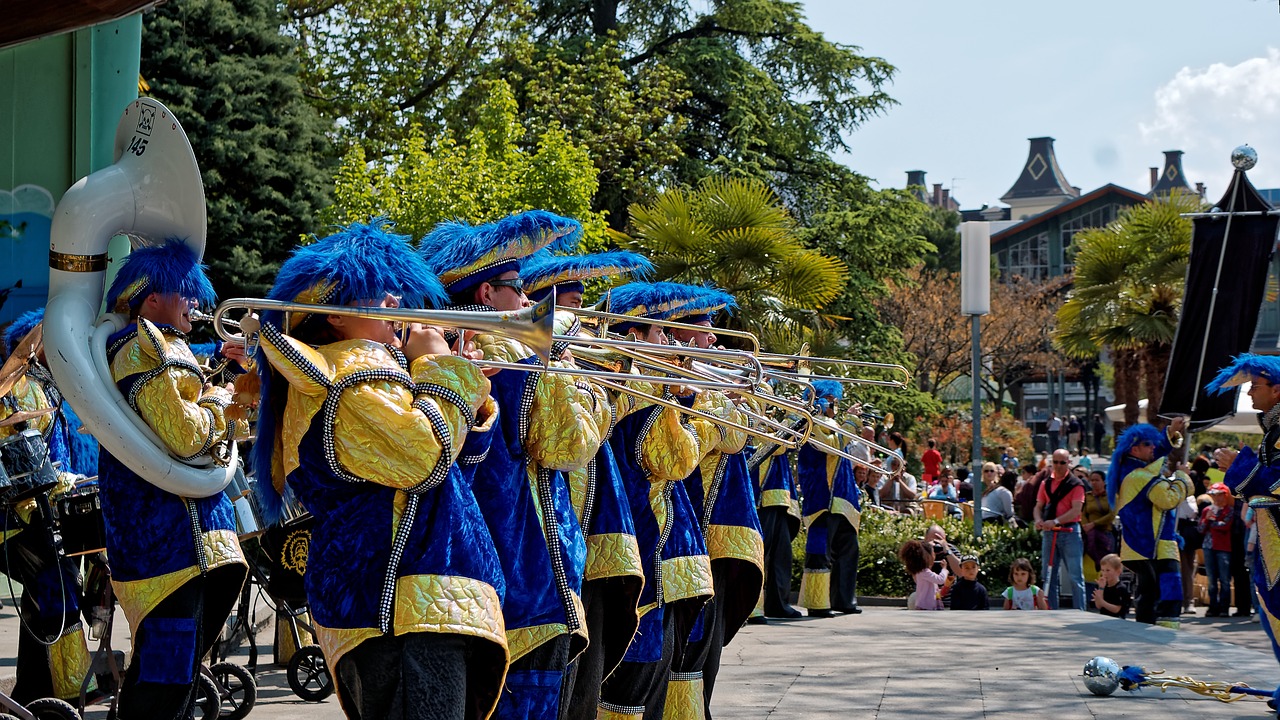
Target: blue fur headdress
826,389
465,255
171,267
543,271
654,300
1244,368
19,328
703,305
1140,433
359,262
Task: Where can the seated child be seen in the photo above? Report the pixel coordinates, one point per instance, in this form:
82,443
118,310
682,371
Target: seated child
1112,596
1022,593
917,557
968,593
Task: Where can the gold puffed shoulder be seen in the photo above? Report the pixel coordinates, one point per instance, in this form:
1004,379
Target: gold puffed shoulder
28,394
563,431
171,397
669,449
502,349
719,404
305,369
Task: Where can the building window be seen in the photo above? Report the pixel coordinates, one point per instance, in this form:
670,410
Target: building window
1028,259
1098,217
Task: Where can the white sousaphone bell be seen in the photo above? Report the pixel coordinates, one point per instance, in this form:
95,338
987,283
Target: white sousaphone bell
153,191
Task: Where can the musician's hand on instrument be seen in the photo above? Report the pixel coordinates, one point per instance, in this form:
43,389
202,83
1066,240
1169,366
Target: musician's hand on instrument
1178,424
1224,457
425,340
236,353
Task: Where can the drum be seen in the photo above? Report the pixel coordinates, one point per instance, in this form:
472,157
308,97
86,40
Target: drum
27,470
78,517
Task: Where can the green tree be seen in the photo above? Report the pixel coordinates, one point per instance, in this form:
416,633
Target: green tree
230,77
736,234
1127,295
943,232
481,177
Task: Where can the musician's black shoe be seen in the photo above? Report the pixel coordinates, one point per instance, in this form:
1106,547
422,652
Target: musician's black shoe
851,610
757,620
821,613
788,614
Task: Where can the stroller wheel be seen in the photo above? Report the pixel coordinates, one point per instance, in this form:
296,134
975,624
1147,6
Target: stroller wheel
239,691
309,674
52,709
208,698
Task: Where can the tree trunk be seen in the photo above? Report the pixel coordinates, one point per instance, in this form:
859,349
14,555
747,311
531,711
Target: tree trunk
1128,370
604,16
1155,364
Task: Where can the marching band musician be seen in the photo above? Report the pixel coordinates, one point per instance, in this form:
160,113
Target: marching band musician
778,507
403,581
176,563
656,450
1145,501
548,424
614,574
720,490
53,657
831,503
1254,476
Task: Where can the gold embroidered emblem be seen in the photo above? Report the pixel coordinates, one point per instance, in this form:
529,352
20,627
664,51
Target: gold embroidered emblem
293,552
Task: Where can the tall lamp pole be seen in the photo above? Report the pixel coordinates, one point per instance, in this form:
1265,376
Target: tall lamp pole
975,301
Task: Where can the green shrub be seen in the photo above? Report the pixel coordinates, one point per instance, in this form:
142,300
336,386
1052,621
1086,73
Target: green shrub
880,573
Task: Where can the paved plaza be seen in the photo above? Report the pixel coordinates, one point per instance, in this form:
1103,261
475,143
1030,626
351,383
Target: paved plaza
891,663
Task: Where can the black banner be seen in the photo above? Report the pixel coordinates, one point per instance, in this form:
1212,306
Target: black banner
1204,345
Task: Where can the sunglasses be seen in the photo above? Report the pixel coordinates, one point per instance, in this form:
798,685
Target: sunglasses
1061,462
984,472
514,283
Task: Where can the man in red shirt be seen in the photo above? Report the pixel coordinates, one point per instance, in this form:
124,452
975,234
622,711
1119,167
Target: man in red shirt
932,461
1215,524
1057,515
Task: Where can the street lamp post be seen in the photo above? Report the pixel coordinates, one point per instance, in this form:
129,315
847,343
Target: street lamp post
975,301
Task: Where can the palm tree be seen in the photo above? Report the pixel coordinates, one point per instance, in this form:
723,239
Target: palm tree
736,234
1127,294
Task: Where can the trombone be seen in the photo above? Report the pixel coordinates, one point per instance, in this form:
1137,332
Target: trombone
606,318
793,366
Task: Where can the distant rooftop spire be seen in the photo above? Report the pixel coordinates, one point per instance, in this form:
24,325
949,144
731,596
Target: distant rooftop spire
1171,178
1041,176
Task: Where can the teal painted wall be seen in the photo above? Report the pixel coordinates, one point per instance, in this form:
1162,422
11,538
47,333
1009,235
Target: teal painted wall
60,100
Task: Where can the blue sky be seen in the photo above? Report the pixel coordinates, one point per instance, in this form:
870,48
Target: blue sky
1114,82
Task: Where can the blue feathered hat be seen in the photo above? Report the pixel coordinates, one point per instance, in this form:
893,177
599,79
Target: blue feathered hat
704,303
19,328
1141,433
1244,368
358,262
654,300
170,267
826,389
542,271
465,255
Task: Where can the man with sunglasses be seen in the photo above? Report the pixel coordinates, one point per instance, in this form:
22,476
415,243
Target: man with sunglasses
1057,515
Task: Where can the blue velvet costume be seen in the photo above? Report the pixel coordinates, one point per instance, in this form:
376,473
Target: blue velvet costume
778,507
402,578
1254,476
547,425
1145,503
50,588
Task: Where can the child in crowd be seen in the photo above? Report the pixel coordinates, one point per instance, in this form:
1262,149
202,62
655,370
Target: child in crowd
1112,597
917,557
968,593
1215,524
1022,593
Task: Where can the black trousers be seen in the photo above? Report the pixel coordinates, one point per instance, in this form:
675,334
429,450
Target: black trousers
842,546
417,676
776,525
1152,576
171,641
1241,580
635,684
703,655
580,692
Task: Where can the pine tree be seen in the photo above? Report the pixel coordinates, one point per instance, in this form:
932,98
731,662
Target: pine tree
230,77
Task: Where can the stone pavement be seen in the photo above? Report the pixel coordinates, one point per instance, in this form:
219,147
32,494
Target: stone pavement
890,663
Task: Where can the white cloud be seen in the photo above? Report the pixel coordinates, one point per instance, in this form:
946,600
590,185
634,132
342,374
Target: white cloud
1208,111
